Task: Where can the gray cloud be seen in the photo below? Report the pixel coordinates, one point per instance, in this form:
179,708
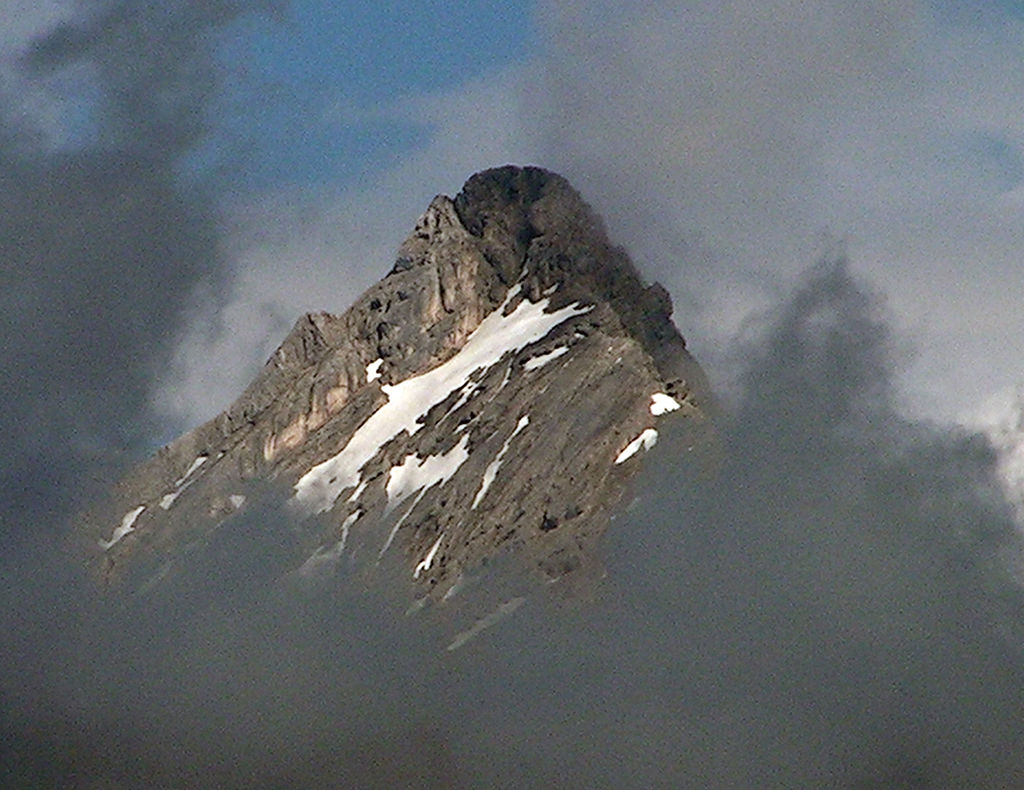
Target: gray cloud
104,232
726,143
832,607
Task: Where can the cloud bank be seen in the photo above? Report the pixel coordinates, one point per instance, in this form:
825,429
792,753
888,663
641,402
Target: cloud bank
104,233
833,607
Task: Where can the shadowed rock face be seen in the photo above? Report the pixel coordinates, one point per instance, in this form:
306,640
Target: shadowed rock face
493,394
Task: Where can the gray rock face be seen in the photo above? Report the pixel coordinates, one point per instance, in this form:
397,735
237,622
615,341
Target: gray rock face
494,394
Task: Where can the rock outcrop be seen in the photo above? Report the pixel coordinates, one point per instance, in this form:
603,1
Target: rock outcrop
493,394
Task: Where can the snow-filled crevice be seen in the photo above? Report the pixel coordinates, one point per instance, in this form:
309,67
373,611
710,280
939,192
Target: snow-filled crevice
195,465
126,526
495,617
183,482
491,471
542,359
427,561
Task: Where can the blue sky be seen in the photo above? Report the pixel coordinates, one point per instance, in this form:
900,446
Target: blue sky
322,76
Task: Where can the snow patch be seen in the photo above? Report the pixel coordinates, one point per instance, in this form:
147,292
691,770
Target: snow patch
427,561
200,460
543,359
415,473
237,500
318,489
452,591
180,484
373,370
321,560
645,441
126,526
662,403
418,474
492,468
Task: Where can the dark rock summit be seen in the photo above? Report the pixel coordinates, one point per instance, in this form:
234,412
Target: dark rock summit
492,395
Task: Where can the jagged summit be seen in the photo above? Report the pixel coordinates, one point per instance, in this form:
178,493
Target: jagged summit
492,394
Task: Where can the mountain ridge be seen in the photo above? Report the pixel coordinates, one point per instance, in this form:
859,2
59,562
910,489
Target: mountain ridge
512,363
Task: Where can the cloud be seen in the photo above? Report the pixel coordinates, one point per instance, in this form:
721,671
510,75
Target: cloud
101,239
831,607
27,19
837,608
726,143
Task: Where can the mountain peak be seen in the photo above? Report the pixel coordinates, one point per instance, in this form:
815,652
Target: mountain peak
492,394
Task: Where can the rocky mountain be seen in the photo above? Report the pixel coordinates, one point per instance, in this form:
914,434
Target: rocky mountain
493,396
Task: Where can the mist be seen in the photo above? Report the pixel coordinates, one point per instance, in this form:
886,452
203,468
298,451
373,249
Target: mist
106,229
729,145
837,604
834,606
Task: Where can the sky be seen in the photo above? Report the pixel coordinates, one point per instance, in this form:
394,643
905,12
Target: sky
727,147
832,195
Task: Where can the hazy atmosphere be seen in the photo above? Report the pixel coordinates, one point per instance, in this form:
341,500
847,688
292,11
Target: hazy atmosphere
833,198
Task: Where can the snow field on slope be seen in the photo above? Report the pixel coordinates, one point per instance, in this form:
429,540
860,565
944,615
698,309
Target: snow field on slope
409,400
415,473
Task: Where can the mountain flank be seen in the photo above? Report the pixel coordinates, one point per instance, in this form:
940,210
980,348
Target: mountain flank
494,394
